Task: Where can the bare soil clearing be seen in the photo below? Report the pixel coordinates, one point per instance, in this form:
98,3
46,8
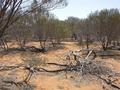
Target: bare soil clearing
58,81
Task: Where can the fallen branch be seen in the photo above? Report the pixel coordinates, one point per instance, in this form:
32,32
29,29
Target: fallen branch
83,66
109,82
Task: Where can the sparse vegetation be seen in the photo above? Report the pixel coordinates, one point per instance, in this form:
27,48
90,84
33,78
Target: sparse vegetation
33,61
31,35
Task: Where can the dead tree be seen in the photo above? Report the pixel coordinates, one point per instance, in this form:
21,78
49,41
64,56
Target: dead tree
82,66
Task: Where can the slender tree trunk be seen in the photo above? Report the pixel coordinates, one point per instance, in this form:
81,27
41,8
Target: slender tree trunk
87,41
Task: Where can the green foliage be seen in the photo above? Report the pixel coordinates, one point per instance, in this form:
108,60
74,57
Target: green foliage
105,26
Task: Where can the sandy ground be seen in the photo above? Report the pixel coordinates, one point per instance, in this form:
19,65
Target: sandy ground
45,81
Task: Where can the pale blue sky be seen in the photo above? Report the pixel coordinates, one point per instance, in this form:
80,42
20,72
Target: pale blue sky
82,8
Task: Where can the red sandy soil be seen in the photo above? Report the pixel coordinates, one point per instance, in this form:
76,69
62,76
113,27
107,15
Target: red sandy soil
45,81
